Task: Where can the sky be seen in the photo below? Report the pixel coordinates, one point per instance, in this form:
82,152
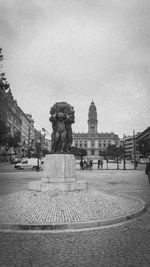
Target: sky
78,51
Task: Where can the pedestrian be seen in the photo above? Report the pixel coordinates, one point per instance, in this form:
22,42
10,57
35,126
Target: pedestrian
81,164
88,164
98,163
84,165
101,163
147,170
91,164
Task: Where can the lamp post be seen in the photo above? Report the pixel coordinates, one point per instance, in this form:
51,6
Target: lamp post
124,157
38,154
29,135
106,159
134,150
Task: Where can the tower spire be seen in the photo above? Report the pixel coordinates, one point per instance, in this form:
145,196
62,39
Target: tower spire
92,119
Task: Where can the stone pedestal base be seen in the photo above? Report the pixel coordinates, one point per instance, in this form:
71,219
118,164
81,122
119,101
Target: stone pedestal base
58,175
45,187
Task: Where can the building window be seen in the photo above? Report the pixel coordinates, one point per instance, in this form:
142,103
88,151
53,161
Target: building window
76,144
99,144
85,144
92,152
92,144
80,144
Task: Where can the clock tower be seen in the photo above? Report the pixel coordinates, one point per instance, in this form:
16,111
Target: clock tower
92,119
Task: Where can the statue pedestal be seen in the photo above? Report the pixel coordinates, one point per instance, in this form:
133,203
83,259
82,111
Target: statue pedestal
58,175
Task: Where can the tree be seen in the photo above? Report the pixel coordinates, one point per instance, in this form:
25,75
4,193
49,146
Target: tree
45,151
14,141
78,152
103,153
114,151
4,133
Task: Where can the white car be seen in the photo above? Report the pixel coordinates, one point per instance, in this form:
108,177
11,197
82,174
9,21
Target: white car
26,163
144,160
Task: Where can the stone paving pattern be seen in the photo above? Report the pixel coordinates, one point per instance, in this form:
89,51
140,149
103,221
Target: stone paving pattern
28,207
123,245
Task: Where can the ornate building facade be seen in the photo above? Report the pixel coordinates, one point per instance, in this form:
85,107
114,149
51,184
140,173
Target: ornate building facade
92,141
16,121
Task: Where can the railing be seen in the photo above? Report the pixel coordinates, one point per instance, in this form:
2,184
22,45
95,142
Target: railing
128,165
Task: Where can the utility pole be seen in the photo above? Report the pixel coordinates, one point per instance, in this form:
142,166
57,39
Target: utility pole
124,157
134,149
38,151
106,159
29,132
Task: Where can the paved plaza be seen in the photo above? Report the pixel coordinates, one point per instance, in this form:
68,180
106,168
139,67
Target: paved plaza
123,244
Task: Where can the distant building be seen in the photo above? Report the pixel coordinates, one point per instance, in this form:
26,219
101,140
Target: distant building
92,141
9,111
3,105
130,146
143,141
17,121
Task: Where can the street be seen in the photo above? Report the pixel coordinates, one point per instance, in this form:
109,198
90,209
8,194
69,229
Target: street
125,244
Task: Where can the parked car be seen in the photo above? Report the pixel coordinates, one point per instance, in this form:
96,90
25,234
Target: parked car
26,163
15,160
144,160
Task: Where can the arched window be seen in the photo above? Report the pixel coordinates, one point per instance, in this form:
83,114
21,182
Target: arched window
85,144
76,144
92,144
92,152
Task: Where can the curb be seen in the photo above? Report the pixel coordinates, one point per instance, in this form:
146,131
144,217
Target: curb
73,226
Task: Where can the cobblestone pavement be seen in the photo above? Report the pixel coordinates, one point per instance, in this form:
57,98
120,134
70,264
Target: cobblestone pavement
122,245
58,210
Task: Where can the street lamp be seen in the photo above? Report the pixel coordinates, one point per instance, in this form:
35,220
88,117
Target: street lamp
106,159
124,157
134,150
38,154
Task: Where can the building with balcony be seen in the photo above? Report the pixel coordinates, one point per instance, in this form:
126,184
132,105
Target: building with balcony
131,146
143,142
17,122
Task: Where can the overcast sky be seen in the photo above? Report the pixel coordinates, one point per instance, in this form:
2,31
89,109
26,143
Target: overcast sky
76,51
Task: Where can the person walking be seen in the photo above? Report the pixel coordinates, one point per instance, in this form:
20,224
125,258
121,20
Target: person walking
91,164
81,164
84,165
101,163
147,170
98,163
